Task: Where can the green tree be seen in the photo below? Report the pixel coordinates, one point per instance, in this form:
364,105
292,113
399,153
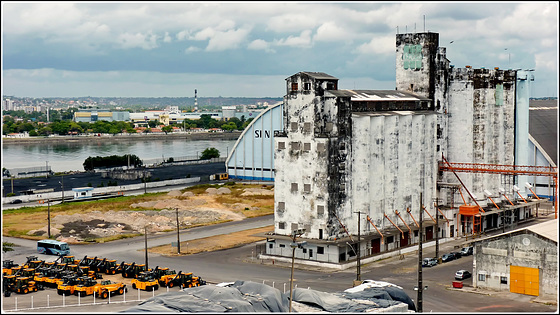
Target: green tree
60,127
7,247
167,129
210,153
229,126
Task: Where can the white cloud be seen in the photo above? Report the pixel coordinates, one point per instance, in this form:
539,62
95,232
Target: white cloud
144,41
259,44
205,34
291,22
382,45
230,39
329,31
167,38
192,49
546,61
183,35
303,40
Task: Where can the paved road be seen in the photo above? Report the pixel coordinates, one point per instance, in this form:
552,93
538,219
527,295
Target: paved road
241,264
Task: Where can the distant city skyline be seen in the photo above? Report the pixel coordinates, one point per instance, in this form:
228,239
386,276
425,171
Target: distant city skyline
228,49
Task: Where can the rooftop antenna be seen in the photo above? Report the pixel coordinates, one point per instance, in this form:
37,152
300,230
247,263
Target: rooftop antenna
195,100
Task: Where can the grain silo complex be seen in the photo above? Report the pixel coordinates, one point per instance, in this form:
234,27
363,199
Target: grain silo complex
355,170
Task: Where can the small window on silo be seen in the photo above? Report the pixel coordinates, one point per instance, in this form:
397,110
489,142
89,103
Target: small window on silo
281,145
307,146
281,205
294,126
320,210
294,187
307,188
294,226
307,86
281,225
307,127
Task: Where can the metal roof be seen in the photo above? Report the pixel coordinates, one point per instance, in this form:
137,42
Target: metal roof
548,229
378,95
319,75
543,125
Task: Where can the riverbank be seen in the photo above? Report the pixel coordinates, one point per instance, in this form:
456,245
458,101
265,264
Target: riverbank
126,137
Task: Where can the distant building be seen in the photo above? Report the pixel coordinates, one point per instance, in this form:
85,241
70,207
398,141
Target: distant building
228,112
93,115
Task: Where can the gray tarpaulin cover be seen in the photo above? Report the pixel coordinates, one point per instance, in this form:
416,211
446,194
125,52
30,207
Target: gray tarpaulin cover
250,297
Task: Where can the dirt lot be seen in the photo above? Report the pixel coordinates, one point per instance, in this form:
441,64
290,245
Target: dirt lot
111,219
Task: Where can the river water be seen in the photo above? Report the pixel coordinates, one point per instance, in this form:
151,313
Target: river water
70,156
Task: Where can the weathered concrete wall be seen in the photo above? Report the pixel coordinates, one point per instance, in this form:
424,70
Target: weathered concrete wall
302,157
481,124
494,257
416,63
393,162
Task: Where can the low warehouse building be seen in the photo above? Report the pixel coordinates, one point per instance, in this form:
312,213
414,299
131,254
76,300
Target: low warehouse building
523,261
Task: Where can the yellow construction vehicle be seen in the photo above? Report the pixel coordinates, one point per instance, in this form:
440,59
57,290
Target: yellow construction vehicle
134,270
102,290
21,285
145,281
69,284
7,266
108,267
114,287
219,176
166,277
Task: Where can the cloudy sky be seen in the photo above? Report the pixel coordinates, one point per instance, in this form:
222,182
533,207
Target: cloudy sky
247,49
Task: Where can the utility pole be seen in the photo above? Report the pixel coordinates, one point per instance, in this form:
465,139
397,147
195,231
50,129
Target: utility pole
294,245
437,228
178,241
146,245
358,262
420,235
144,178
62,185
49,217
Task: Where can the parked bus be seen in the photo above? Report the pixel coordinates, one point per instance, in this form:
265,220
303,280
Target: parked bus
53,247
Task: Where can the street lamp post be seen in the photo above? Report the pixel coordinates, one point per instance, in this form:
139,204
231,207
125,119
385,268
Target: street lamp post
420,235
178,240
358,262
62,186
49,217
146,245
294,245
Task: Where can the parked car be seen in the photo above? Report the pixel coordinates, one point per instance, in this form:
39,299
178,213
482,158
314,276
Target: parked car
466,251
462,274
447,257
16,201
456,254
429,262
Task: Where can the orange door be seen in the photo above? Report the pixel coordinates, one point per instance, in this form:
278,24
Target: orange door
524,280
